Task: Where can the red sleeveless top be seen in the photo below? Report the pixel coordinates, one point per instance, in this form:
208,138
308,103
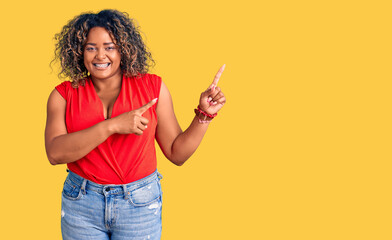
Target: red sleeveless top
122,158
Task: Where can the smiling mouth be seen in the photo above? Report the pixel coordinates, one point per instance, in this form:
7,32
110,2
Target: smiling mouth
104,65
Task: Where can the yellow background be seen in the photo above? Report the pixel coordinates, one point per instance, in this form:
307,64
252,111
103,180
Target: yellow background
302,149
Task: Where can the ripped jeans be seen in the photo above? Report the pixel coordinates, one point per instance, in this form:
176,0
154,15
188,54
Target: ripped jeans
118,212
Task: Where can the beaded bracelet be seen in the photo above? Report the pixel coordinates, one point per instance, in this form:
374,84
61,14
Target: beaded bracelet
206,117
206,114
202,118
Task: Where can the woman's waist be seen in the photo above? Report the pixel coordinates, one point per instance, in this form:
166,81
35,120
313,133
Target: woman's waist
111,169
113,188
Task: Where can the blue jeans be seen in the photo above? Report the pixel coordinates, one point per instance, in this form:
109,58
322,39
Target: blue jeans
94,211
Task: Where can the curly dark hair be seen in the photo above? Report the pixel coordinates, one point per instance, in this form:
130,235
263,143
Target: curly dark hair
135,57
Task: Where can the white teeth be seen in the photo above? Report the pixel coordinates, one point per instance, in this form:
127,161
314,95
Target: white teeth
101,65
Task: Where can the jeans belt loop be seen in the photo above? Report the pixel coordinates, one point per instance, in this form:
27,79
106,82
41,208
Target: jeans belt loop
125,191
159,175
83,188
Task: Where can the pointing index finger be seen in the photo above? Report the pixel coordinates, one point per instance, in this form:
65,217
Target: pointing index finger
145,107
218,75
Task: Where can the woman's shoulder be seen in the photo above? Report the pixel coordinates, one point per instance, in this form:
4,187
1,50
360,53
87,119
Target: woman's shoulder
65,84
154,79
63,88
148,76
152,75
68,87
72,84
149,81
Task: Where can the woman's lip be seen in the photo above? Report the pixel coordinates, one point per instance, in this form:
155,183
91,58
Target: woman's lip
101,65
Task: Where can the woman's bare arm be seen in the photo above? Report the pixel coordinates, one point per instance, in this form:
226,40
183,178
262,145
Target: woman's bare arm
177,145
63,147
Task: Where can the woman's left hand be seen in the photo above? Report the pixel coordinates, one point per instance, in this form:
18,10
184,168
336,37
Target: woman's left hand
213,99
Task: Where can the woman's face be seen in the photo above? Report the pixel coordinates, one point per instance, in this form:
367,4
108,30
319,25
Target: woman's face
101,56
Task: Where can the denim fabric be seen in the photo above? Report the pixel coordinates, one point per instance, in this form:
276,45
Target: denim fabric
117,212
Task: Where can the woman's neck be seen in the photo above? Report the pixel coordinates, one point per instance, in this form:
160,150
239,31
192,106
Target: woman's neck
111,83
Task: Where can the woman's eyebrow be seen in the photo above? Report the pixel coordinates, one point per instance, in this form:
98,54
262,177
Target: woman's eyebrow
94,44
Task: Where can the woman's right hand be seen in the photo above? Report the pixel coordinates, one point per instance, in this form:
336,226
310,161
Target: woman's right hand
132,122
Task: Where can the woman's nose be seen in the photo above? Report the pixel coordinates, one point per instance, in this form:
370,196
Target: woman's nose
100,54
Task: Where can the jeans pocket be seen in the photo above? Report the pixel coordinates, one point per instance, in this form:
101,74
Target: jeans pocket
71,190
146,194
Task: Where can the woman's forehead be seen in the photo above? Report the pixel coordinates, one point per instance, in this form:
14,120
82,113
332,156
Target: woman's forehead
99,34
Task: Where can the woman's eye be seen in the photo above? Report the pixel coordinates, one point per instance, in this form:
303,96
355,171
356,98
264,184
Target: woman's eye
90,49
110,48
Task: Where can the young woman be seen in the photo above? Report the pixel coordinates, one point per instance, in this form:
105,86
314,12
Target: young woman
103,124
